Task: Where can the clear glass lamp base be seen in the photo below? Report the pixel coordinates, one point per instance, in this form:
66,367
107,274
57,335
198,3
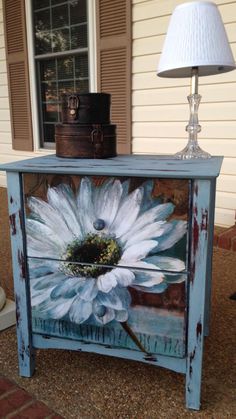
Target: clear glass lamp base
192,151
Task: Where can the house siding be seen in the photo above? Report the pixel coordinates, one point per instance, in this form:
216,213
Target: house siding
7,154
5,126
160,111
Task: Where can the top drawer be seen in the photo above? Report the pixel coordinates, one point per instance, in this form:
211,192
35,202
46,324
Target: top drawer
127,222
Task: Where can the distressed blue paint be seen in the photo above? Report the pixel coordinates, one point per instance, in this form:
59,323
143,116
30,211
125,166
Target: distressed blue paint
197,287
20,274
209,259
130,165
45,342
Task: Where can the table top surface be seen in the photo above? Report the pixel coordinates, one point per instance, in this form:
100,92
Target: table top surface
123,165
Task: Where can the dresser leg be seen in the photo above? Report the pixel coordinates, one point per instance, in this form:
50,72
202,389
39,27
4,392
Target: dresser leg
194,366
20,274
207,314
193,379
198,275
209,259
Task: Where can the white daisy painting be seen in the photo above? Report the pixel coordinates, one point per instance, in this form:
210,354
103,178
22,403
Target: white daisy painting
102,256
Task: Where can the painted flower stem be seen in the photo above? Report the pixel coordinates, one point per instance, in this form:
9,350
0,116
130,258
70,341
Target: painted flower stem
133,337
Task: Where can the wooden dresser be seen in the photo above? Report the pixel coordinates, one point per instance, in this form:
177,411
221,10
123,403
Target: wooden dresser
114,257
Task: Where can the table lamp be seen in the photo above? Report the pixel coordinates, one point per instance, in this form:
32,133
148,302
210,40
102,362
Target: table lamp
196,44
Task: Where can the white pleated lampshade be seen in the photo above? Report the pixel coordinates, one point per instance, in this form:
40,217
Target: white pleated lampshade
196,37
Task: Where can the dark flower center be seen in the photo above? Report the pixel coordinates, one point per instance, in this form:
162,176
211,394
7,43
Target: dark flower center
94,250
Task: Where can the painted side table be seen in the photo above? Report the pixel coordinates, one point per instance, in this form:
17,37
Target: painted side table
114,257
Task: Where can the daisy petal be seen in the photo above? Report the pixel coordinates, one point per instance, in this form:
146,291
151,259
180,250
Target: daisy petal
157,213
151,231
121,315
156,289
125,190
65,289
140,264
107,317
127,213
179,229
175,279
148,279
107,204
55,309
137,251
41,210
118,299
65,191
47,281
42,233
85,206
124,296
124,277
147,202
87,289
98,193
36,271
106,282
111,300
62,202
80,310
37,248
166,263
37,297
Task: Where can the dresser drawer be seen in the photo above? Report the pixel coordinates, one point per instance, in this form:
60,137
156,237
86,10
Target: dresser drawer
107,259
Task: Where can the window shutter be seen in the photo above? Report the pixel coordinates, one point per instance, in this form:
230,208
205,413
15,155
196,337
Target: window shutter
114,64
18,74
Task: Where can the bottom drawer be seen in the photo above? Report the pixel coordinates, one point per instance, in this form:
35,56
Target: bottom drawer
155,324
157,335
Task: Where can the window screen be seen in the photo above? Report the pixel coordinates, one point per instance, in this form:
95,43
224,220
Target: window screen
61,54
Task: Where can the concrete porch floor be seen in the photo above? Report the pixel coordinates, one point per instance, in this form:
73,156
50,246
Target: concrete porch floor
88,386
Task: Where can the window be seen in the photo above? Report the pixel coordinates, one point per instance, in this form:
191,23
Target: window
109,51
61,56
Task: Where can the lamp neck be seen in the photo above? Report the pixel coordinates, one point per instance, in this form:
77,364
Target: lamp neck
194,81
192,149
